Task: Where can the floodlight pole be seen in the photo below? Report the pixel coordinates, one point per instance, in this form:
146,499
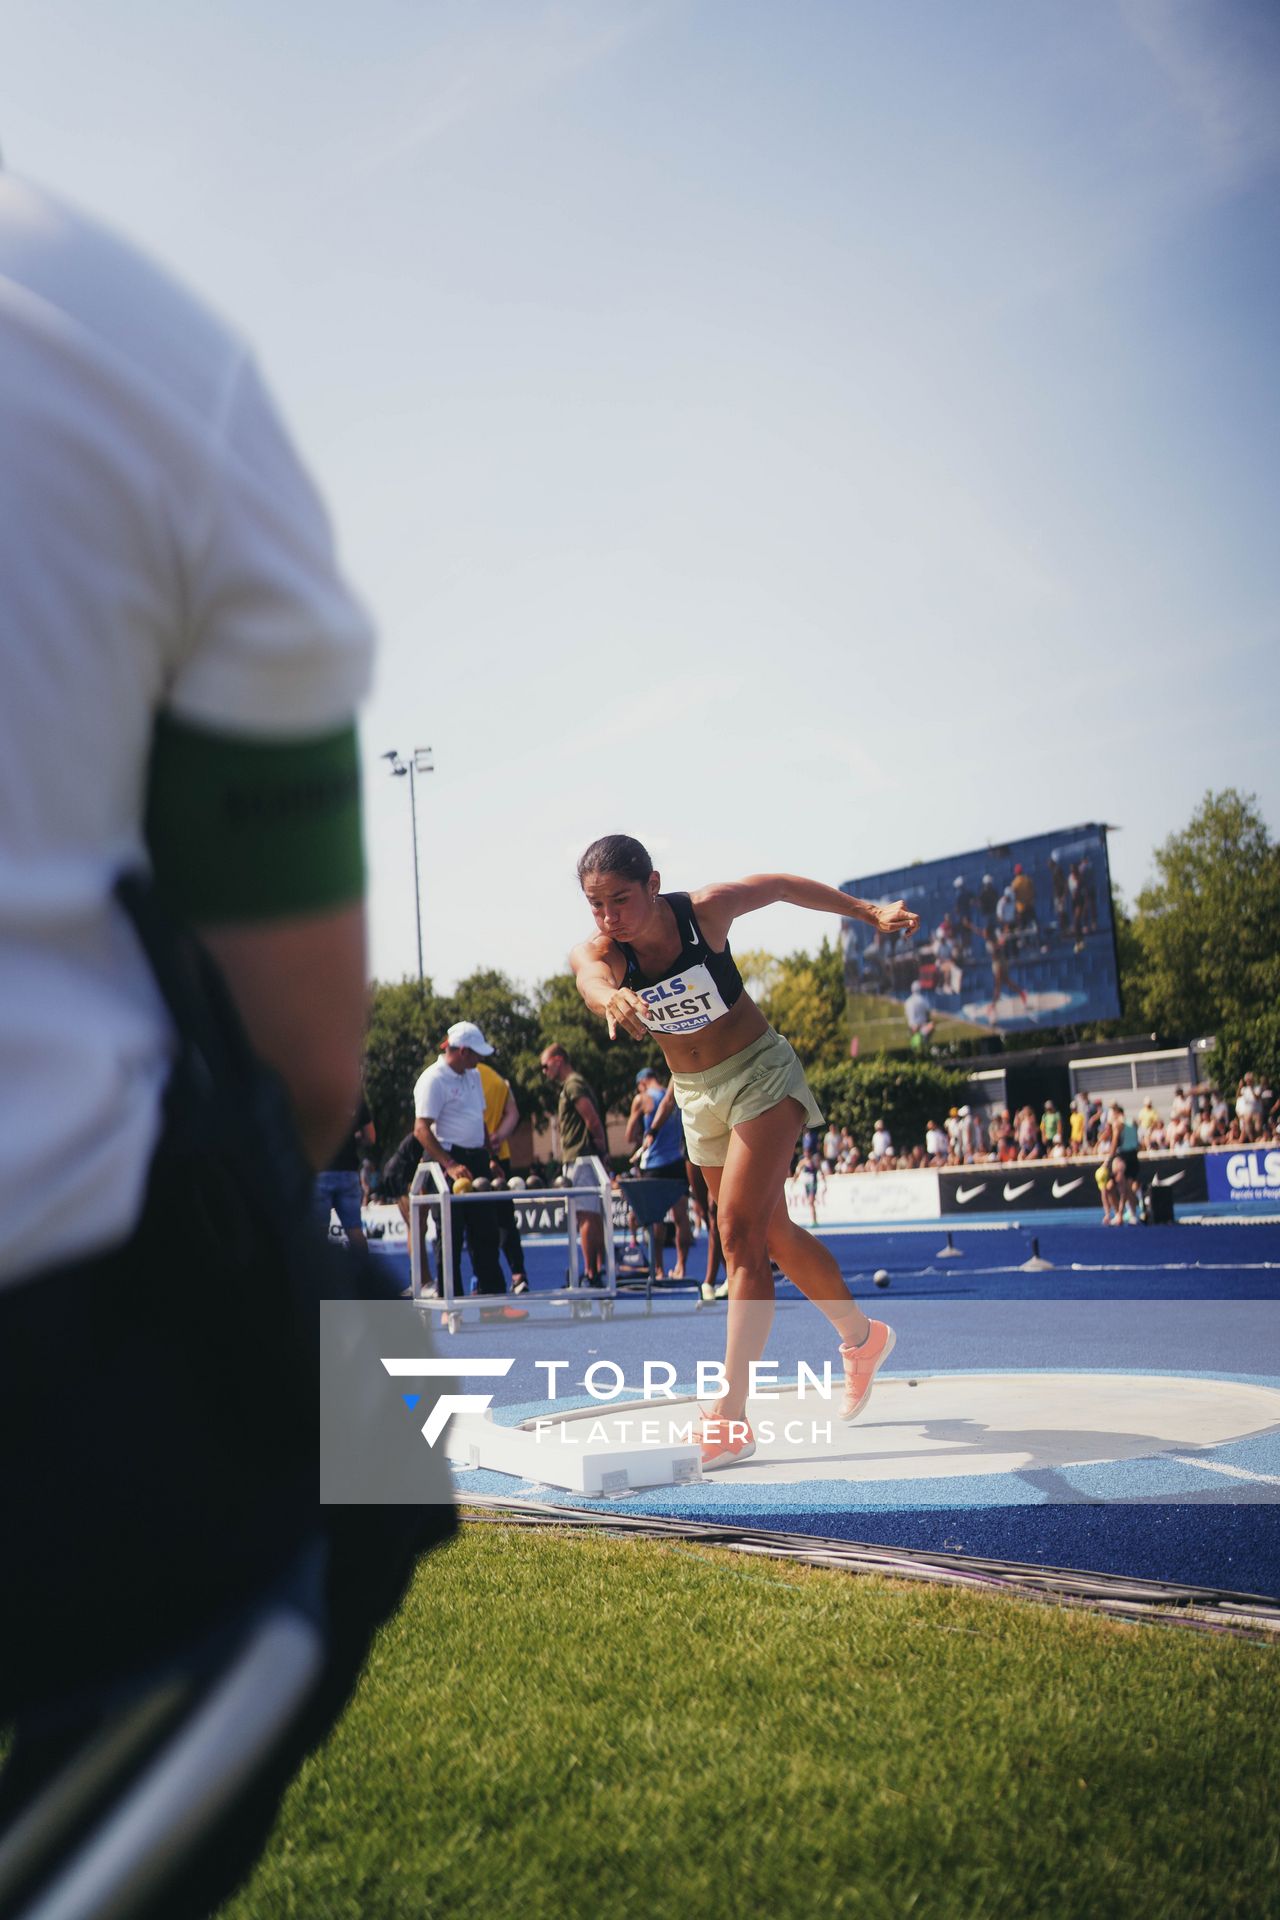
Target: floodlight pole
419,762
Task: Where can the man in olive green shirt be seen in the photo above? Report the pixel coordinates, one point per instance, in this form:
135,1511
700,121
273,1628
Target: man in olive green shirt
582,1132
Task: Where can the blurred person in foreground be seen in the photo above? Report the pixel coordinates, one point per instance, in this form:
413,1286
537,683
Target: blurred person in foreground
182,664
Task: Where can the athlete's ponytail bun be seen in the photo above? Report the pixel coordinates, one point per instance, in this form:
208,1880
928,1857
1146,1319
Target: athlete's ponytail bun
616,853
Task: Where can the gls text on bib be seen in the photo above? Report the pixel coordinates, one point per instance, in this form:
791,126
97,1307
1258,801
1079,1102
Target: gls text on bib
684,1002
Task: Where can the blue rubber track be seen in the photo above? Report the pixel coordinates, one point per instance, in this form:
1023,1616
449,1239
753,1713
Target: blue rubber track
1200,1300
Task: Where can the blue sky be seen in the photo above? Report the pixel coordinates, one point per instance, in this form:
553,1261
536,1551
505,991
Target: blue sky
813,437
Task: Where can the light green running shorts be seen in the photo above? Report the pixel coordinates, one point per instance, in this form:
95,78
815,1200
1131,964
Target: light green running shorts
741,1088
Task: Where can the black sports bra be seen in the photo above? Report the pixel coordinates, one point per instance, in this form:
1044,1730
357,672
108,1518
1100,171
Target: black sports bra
699,987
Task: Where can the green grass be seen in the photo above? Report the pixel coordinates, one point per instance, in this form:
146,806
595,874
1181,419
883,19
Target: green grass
881,1024
585,1726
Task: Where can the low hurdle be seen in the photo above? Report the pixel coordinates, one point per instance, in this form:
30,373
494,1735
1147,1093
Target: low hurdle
431,1195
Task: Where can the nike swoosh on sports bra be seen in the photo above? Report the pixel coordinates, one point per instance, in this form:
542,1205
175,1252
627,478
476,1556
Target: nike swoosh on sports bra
701,985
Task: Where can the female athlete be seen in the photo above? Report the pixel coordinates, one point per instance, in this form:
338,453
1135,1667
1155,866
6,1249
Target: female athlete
659,968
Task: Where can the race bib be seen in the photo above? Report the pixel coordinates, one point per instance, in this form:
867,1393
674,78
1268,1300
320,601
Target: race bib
684,1002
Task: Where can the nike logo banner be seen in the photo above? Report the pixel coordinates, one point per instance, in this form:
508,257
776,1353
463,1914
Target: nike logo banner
1029,1186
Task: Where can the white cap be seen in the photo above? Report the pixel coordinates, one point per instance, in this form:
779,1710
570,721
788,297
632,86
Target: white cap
964,1113
465,1033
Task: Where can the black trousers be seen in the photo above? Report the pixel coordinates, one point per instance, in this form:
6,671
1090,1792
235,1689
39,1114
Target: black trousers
509,1235
476,1225
158,1472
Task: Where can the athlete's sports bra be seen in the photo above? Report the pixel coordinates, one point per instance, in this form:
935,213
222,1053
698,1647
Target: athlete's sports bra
700,986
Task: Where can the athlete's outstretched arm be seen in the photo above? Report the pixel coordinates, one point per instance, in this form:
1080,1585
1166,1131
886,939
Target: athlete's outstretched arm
596,967
719,905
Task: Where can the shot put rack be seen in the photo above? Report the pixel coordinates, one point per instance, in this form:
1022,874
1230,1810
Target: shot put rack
431,1194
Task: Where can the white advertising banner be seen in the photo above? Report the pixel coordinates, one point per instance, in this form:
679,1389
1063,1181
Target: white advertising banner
851,1198
385,1226
848,1199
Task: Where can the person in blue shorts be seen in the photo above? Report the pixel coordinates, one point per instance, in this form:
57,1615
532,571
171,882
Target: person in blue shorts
662,1152
339,1189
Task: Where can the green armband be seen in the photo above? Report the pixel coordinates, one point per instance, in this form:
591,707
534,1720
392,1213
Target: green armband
242,829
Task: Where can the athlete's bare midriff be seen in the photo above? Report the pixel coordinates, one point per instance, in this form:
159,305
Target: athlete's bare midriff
695,1052
710,1045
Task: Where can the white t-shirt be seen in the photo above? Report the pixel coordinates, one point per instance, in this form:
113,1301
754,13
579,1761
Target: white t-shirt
453,1103
160,547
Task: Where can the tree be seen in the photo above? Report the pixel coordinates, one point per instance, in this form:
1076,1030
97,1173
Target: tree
1208,929
403,1037
407,1025
905,1094
1249,1046
506,1016
610,1066
805,1000
759,970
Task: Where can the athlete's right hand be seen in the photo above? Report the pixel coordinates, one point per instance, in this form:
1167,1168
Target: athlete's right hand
626,1010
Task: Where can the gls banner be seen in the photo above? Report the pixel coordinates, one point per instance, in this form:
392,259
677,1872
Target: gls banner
1026,1186
1246,1177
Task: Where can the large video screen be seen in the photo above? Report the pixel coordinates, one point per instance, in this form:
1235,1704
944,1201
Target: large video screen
1011,938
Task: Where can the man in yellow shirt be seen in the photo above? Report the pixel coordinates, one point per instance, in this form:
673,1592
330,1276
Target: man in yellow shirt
501,1118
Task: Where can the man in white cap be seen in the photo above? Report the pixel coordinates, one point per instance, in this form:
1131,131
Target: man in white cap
448,1106
971,1140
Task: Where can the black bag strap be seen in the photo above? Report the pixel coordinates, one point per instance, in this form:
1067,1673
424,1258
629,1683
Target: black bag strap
238,1100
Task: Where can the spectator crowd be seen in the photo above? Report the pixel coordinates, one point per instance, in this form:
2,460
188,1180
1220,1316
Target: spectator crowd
1090,1128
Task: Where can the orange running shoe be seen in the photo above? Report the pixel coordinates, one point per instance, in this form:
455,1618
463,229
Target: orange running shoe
724,1442
861,1365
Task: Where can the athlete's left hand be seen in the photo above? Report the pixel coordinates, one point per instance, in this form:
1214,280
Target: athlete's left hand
896,919
625,1010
